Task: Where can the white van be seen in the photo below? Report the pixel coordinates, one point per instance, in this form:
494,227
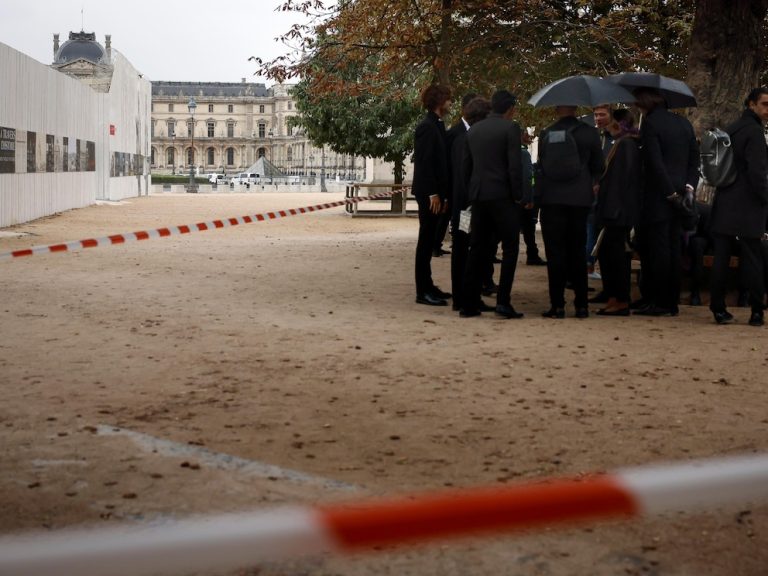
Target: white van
217,178
245,178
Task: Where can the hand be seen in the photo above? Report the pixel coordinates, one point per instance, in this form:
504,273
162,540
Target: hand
688,200
444,209
434,204
595,189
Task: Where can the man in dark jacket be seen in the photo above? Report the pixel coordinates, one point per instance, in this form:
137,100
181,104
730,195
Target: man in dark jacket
430,187
671,157
473,109
740,210
492,169
566,200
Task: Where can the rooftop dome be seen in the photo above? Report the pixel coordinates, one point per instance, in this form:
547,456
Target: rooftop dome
81,45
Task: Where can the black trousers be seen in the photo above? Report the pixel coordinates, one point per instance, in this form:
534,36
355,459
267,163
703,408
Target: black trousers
664,263
528,220
616,262
751,267
491,220
697,248
442,228
459,257
427,227
564,229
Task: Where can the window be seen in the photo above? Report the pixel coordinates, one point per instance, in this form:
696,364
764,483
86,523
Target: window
290,130
171,128
152,129
170,157
230,156
211,126
209,158
262,152
210,108
230,129
190,128
190,156
152,157
261,108
262,130
289,156
290,105
170,107
230,108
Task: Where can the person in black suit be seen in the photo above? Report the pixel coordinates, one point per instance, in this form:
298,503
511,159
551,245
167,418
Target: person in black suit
492,170
473,109
618,206
565,205
431,184
671,162
739,211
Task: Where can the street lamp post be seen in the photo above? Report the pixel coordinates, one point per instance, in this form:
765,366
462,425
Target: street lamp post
322,170
173,153
192,186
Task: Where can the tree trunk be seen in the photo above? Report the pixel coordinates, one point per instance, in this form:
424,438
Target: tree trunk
442,62
725,59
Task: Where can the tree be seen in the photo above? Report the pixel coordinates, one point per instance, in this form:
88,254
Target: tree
727,57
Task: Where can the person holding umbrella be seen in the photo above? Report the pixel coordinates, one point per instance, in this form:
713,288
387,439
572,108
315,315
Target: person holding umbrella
570,163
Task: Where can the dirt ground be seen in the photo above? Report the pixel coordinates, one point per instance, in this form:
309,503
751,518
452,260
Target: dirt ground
287,362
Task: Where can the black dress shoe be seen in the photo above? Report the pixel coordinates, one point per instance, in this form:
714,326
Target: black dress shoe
496,260
723,317
439,252
554,313
439,293
599,298
469,313
536,261
756,318
490,289
483,307
655,311
507,311
430,300
638,304
582,313
614,312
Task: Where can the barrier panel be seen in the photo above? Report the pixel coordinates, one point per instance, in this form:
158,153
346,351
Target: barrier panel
235,540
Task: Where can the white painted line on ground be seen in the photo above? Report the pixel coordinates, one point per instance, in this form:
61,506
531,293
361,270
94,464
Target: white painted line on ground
220,460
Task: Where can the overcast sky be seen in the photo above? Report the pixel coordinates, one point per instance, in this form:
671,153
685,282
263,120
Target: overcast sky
193,40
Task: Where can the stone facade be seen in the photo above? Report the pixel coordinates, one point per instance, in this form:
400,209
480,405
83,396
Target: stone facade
236,123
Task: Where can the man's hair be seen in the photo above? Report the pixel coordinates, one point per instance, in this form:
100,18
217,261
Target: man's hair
476,109
754,95
502,100
468,97
434,95
649,98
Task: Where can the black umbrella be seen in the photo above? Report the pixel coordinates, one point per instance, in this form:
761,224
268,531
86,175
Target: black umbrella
580,91
675,92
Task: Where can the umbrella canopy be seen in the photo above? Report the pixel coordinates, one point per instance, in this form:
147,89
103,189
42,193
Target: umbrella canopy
580,91
675,92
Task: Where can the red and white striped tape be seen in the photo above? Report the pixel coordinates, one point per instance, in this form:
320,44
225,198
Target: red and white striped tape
76,245
230,541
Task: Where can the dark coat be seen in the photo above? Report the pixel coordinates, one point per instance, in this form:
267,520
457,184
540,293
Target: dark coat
492,166
460,198
430,160
671,160
577,192
741,209
618,202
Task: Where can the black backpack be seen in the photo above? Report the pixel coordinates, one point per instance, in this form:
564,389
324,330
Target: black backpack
559,159
717,165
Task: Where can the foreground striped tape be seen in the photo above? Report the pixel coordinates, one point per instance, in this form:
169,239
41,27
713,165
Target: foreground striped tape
77,245
230,541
